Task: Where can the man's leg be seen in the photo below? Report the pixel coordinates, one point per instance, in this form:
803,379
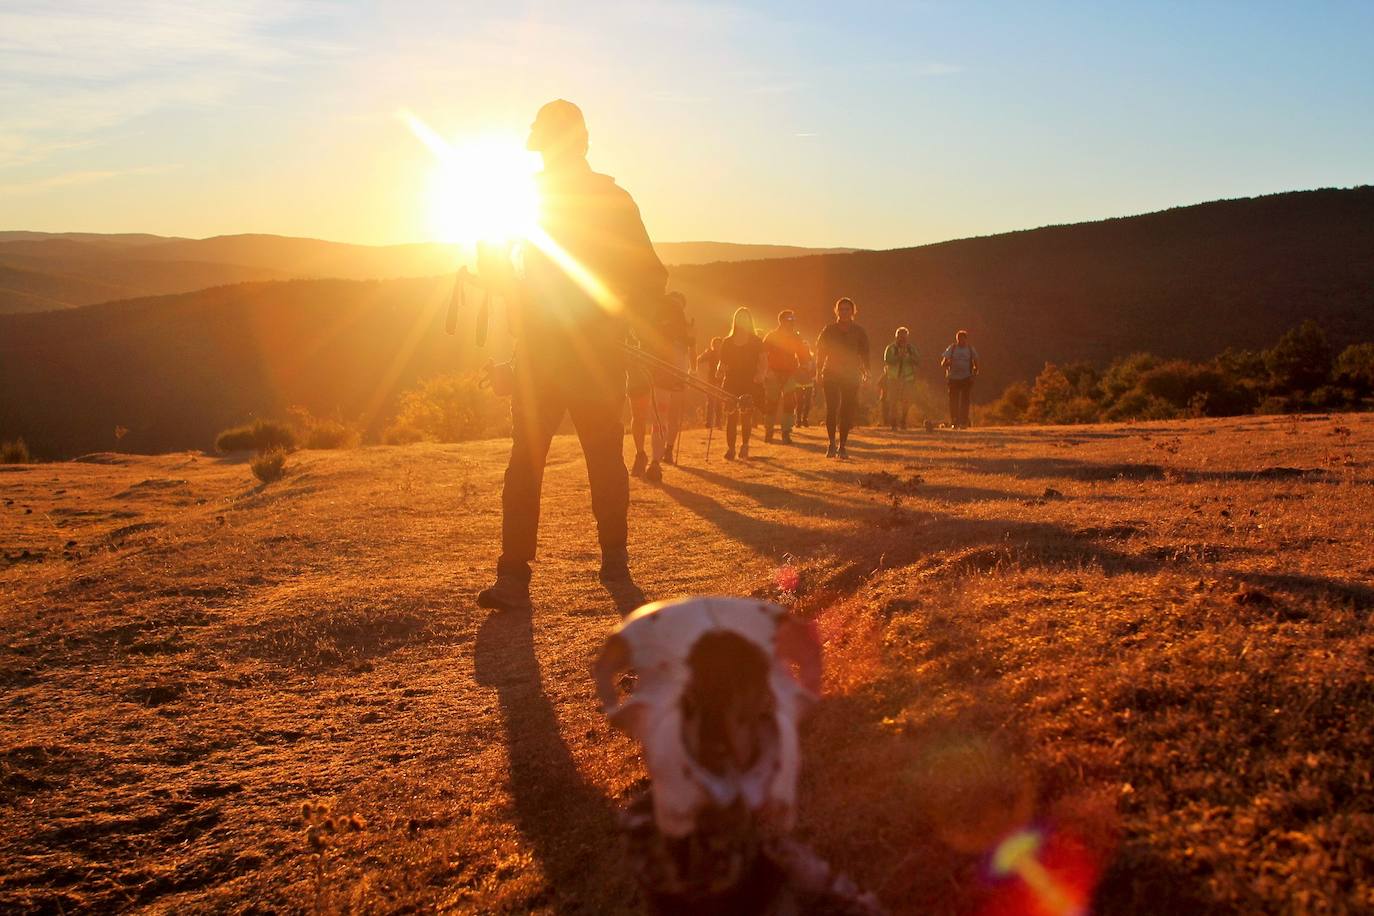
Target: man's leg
832,413
731,419
599,429
789,410
965,397
953,386
849,397
535,413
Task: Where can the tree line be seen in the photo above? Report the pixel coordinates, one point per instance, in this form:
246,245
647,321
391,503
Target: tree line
1300,372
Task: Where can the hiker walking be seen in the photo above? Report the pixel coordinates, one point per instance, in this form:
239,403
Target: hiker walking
708,369
784,348
742,367
960,362
568,351
842,363
900,360
669,338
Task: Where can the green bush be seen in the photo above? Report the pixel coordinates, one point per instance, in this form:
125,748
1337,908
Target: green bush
258,436
449,408
269,465
15,451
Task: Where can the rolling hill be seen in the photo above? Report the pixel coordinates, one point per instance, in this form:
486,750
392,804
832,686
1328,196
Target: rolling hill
64,270
1186,282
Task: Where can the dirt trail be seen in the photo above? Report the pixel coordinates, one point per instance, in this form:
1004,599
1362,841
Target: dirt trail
188,657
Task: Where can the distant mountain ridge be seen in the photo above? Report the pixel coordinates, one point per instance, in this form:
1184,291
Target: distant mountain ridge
86,267
1186,282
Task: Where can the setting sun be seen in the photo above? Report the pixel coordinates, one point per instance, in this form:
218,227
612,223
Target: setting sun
481,188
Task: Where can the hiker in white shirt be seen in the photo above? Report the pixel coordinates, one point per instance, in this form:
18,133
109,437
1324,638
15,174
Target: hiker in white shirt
960,362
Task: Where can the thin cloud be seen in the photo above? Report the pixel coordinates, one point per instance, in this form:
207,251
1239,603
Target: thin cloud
67,179
70,71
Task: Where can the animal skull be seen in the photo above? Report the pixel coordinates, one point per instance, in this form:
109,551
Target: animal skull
716,704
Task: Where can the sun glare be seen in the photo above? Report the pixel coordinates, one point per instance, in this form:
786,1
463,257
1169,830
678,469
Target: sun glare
481,188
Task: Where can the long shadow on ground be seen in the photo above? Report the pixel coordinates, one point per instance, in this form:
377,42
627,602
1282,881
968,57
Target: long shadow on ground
567,822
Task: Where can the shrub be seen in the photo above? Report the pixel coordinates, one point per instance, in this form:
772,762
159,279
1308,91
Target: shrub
1055,400
1301,360
1124,374
1011,406
320,432
259,436
1137,404
1355,367
15,451
448,408
269,465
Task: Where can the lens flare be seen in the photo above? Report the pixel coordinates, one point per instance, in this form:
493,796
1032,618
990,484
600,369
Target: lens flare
482,188
1049,875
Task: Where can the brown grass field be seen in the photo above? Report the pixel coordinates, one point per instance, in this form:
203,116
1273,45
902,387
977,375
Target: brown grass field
1150,643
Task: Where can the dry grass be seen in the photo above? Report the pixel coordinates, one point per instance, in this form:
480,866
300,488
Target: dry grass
1151,642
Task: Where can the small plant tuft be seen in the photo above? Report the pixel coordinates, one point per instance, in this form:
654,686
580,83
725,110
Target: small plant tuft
270,465
15,451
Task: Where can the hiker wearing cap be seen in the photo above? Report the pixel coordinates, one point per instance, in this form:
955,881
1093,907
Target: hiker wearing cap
960,362
742,367
569,357
900,360
842,363
783,348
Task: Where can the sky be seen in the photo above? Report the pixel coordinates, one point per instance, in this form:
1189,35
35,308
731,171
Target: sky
875,125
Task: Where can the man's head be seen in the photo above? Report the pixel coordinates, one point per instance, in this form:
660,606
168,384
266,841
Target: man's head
902,335
716,342
787,319
961,338
845,310
559,133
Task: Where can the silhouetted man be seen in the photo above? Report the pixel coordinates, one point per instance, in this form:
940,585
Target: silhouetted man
588,274
842,362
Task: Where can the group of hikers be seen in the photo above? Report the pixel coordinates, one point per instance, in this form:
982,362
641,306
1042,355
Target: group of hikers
565,328
772,380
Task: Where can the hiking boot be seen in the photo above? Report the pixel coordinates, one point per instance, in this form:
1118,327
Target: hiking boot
768,435
786,438
510,593
844,453
615,576
668,455
641,460
729,454
830,452
654,473
743,452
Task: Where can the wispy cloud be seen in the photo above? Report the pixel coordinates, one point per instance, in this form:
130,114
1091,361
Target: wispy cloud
66,179
70,71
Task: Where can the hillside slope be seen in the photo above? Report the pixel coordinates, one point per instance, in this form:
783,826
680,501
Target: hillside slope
1151,645
175,370
1186,282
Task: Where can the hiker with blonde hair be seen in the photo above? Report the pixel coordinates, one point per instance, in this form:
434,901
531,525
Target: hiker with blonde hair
742,367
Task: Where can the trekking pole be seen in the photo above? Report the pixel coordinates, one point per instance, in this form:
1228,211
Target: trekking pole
710,429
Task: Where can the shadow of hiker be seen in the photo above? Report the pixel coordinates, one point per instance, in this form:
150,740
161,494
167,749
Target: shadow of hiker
568,823
766,537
